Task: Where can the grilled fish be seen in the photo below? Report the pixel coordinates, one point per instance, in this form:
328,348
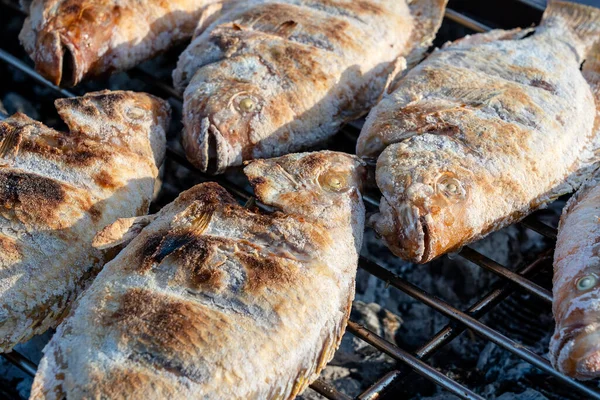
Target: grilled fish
484,131
57,189
70,40
575,346
268,78
214,300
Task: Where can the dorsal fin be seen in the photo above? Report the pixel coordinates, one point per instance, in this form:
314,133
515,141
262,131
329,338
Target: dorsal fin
583,21
428,15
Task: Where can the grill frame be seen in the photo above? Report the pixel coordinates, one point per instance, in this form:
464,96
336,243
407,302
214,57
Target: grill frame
509,282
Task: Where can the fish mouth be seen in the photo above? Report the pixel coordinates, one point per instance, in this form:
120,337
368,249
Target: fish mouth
578,352
406,230
56,59
207,149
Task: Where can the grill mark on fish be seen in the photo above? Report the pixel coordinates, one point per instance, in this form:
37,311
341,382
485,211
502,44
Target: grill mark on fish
75,155
542,84
284,19
11,249
37,196
351,10
197,266
263,272
105,180
170,325
157,361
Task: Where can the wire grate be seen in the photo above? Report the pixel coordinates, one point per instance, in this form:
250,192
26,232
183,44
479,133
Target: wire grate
461,320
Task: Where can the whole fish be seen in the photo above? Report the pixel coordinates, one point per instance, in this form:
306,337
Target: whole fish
575,346
70,40
268,78
485,131
214,300
57,189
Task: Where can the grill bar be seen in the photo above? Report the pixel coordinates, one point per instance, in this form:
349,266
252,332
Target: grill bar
466,21
328,391
21,361
525,284
450,331
473,324
374,392
419,366
535,225
26,69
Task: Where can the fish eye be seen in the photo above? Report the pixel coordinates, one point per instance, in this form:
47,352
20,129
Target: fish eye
586,282
247,104
135,113
333,181
450,187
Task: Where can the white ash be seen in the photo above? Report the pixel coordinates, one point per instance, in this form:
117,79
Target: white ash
528,394
356,364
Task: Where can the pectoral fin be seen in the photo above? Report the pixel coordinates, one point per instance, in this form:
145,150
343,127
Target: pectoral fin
121,232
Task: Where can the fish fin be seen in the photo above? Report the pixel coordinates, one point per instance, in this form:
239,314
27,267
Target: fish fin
190,223
474,97
397,72
11,138
251,203
214,12
428,15
121,232
583,21
591,73
200,223
209,14
194,219
491,36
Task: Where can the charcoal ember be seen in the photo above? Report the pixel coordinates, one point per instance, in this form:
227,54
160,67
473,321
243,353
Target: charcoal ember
528,394
503,371
453,279
357,365
14,102
13,378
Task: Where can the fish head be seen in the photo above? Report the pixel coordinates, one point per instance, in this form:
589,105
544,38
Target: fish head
71,37
576,342
231,108
124,118
323,185
429,195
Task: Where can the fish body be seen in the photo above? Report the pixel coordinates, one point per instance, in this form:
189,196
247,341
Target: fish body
484,131
267,78
215,300
57,189
575,346
70,40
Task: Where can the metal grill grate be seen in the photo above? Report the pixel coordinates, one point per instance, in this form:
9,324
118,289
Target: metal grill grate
460,320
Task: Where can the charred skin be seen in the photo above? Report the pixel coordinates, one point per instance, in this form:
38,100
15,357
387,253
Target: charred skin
71,40
57,189
485,131
270,78
575,346
204,302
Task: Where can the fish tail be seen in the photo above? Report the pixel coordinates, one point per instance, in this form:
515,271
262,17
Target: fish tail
583,21
428,15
